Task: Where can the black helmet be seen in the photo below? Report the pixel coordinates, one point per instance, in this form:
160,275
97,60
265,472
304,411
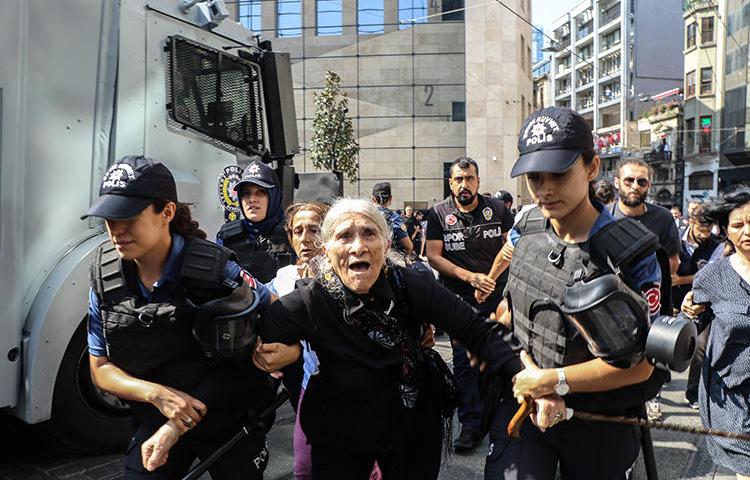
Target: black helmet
225,328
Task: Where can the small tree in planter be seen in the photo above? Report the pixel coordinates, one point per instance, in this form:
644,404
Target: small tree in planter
332,146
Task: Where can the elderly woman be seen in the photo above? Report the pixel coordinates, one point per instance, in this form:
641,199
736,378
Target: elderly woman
724,288
375,398
303,228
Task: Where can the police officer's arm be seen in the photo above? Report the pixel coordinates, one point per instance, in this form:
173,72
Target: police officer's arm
447,268
401,235
109,377
591,376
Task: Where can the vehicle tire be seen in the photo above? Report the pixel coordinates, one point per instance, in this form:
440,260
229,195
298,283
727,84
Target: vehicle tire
84,417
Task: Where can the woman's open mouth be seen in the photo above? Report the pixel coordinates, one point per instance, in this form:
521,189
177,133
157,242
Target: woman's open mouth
359,266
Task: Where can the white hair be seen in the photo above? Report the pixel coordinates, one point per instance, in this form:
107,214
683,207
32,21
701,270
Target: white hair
340,209
343,207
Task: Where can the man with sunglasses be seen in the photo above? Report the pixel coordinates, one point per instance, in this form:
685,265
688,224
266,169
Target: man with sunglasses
632,181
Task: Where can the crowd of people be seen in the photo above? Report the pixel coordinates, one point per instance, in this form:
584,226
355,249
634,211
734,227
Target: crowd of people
341,303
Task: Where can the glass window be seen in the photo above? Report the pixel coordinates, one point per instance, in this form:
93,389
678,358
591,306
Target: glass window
610,40
411,10
689,135
250,14
701,181
289,18
450,6
459,112
329,17
370,16
690,84
707,30
707,80
645,139
690,36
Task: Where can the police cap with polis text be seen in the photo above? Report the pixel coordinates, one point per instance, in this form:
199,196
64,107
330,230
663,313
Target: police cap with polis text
551,141
258,173
130,185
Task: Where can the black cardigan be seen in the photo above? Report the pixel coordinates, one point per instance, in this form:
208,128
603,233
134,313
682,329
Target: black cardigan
354,402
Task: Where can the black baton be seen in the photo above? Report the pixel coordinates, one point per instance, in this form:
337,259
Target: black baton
201,468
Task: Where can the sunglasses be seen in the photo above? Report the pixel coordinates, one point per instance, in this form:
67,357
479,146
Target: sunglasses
642,182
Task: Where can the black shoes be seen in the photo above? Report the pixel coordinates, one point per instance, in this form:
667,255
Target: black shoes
467,441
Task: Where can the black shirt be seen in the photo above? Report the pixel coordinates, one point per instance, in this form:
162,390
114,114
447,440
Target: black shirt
660,221
353,402
470,240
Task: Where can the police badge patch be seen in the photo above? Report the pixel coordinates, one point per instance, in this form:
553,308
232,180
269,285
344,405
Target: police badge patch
227,196
487,213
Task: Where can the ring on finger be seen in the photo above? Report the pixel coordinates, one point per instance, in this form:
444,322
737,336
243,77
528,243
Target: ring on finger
188,420
558,416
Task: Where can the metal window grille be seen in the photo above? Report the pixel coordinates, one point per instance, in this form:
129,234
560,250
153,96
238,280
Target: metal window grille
216,94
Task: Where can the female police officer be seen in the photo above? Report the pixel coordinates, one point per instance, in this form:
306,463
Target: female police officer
568,239
259,239
155,285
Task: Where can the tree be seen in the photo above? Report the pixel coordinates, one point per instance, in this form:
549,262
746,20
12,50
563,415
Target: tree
332,146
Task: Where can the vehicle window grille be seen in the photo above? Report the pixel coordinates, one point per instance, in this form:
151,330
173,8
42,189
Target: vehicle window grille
215,94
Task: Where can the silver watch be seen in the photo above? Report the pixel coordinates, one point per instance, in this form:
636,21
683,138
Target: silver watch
561,388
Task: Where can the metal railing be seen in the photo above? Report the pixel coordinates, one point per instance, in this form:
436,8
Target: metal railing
609,15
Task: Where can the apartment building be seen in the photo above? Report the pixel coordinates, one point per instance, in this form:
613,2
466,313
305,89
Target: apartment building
611,56
428,81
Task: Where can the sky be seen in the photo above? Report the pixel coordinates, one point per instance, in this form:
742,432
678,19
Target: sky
544,12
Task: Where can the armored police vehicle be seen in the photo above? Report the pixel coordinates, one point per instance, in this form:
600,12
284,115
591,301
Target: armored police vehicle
83,83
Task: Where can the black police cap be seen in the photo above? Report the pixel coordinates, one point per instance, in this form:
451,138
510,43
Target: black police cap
551,141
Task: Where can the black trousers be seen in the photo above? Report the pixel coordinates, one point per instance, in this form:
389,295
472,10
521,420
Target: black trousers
581,450
246,460
415,462
696,366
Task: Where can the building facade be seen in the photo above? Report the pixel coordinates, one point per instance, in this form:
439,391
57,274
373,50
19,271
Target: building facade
734,146
701,125
611,55
427,81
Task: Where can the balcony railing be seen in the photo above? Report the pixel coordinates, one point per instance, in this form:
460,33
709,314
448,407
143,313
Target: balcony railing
604,98
609,15
588,103
691,4
655,157
584,30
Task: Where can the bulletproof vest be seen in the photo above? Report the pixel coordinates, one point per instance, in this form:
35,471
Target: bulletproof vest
154,340
542,267
262,256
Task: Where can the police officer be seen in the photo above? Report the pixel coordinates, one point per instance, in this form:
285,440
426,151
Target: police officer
259,239
157,290
571,238
464,234
381,196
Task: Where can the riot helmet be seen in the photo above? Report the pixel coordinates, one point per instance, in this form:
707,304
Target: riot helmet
225,328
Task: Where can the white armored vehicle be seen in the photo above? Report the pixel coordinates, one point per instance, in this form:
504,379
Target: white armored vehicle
83,83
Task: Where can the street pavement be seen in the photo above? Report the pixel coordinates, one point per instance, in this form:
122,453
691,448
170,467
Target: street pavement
29,454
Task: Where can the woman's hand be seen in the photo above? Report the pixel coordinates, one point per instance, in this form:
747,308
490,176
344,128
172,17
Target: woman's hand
502,314
155,450
428,338
533,381
271,357
180,407
480,296
690,309
549,411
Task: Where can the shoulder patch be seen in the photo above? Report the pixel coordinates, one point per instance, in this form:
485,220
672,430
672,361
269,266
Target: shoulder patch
249,279
652,293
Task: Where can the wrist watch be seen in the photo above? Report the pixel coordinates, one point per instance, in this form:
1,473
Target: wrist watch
561,388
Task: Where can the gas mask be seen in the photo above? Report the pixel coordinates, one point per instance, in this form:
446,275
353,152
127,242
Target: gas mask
611,317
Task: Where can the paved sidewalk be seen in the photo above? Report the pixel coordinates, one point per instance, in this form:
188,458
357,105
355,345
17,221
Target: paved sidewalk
29,456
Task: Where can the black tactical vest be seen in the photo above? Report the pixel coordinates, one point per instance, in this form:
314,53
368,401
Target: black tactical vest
154,341
262,257
542,267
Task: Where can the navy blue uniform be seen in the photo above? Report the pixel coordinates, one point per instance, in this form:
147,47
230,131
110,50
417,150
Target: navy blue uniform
226,388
